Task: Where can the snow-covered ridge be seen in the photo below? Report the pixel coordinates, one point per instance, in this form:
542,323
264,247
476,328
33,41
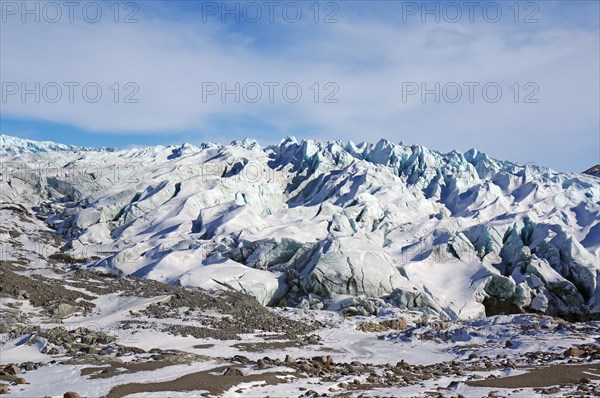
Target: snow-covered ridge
14,146
325,223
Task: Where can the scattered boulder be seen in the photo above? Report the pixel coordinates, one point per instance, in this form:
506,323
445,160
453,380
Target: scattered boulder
7,377
63,310
325,359
574,352
453,385
383,326
261,364
362,306
233,372
12,370
71,394
403,365
289,360
241,359
395,324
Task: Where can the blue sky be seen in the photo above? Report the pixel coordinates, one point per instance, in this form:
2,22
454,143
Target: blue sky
544,57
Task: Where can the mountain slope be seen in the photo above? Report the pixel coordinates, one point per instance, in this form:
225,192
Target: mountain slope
593,171
325,223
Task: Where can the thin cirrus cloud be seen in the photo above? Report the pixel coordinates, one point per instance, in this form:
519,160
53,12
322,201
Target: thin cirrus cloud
370,57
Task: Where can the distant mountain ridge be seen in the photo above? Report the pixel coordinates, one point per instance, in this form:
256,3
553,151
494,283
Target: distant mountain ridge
15,146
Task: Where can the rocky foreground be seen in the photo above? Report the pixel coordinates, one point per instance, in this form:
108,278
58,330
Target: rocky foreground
70,332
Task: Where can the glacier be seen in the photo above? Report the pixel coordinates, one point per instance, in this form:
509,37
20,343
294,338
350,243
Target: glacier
322,224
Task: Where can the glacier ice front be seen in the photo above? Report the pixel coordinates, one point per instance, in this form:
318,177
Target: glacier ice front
308,223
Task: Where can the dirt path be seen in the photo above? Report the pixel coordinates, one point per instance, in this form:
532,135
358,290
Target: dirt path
200,381
544,377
